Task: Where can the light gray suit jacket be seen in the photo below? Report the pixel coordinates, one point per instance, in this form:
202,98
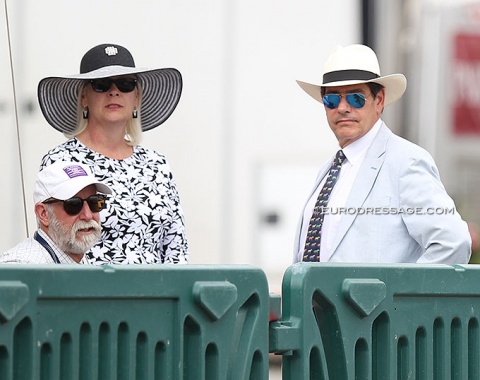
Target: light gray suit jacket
395,210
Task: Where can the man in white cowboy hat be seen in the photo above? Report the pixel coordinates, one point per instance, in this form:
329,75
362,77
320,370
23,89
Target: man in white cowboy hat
68,199
381,199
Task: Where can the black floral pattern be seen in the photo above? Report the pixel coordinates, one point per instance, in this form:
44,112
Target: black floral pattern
143,221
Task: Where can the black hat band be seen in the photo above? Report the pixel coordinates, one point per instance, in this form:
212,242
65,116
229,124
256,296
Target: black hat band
344,75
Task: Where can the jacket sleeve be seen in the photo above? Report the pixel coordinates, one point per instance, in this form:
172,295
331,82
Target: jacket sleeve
433,221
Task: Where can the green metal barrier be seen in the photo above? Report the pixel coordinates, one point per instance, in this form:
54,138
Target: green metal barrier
200,322
359,322
183,322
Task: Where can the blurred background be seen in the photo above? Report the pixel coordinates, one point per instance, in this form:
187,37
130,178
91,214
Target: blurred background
245,142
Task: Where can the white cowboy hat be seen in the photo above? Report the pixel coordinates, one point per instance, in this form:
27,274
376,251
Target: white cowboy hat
355,64
161,88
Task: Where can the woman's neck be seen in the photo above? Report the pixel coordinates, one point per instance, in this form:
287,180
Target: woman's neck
111,144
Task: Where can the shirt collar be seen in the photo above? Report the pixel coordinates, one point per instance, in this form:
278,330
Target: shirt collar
357,149
62,256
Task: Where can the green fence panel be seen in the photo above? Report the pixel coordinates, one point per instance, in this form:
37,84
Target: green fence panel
343,321
188,322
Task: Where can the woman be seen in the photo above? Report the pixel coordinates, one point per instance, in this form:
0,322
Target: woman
103,111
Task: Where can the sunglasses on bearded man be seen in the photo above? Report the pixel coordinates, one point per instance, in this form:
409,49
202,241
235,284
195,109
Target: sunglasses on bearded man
74,205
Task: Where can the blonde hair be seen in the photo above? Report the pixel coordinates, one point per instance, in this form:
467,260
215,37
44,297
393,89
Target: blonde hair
133,130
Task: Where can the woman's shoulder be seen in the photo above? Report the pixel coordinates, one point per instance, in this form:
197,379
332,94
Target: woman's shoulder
70,150
69,144
150,154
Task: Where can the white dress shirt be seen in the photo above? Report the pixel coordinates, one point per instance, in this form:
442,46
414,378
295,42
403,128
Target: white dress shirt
354,153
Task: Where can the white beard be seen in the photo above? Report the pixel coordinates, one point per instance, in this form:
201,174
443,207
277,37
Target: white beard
67,240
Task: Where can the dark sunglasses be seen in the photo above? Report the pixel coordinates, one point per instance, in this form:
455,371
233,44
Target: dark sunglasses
333,100
104,84
74,205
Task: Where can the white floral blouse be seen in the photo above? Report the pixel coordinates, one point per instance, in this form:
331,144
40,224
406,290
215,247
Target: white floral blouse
143,221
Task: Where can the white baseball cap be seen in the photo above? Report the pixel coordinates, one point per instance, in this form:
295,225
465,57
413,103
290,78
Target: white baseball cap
62,180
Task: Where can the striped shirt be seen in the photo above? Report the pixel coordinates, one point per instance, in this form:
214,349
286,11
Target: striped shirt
30,251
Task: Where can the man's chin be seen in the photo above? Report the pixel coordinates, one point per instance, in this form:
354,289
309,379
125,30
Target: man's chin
85,241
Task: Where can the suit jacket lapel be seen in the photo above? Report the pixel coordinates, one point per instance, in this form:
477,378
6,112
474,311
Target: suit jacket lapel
321,174
363,184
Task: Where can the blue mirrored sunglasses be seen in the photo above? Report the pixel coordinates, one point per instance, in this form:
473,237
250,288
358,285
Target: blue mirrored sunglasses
333,100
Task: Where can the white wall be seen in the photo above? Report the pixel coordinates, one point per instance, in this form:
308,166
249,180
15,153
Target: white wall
241,113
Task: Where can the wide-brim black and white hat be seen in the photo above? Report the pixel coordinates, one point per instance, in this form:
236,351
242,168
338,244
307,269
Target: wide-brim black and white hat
161,88
356,64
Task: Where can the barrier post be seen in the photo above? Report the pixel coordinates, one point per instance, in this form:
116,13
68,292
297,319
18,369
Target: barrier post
359,321
175,322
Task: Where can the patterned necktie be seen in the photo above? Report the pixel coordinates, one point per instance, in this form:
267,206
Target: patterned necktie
314,234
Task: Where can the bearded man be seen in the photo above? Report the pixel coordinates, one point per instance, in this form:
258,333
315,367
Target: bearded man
68,200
